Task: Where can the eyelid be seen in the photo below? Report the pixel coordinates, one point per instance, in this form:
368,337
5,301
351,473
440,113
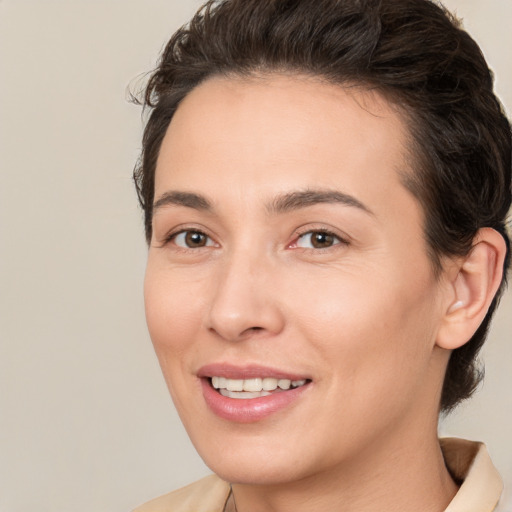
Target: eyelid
341,238
182,237
173,233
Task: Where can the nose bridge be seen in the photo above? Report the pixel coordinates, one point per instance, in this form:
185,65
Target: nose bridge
244,300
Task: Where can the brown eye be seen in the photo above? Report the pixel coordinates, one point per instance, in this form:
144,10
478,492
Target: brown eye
192,240
317,240
322,240
195,239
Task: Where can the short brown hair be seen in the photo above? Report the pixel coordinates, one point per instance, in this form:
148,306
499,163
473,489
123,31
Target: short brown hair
418,56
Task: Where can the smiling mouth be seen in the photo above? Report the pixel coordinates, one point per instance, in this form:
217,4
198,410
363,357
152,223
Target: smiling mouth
255,387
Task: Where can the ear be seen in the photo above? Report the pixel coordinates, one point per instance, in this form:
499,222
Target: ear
472,287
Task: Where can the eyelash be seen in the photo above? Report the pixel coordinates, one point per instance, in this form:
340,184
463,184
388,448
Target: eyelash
175,234
337,239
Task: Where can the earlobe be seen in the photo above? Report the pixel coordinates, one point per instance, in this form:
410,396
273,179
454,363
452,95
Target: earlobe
477,279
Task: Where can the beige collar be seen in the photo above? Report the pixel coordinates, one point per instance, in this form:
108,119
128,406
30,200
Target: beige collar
470,463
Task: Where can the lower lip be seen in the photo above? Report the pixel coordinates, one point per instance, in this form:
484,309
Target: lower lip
249,410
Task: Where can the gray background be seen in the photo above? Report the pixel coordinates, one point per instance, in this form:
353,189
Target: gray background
85,419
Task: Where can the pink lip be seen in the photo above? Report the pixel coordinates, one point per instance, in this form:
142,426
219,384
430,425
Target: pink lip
252,371
247,410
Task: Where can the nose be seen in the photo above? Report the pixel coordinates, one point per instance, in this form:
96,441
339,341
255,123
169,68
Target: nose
245,300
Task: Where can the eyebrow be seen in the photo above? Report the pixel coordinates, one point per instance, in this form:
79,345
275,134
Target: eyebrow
303,199
187,199
281,204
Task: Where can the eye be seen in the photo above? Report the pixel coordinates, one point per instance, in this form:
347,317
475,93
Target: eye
192,240
317,240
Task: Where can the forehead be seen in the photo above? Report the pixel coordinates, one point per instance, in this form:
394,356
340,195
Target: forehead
271,133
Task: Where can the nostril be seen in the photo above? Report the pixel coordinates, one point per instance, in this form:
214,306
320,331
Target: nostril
252,330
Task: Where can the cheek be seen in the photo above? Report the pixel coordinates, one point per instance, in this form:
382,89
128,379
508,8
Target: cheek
371,327
173,318
172,311
374,349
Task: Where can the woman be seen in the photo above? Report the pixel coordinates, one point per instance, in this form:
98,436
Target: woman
325,187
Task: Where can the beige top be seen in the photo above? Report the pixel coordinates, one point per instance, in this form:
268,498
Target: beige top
467,461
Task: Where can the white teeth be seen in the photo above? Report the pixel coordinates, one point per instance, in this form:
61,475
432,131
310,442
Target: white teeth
256,385
234,384
284,383
218,382
243,394
269,384
252,385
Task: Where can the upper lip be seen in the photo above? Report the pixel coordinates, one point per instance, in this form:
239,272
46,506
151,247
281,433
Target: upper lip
250,371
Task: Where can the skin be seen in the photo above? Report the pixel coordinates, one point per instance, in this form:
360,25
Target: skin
361,317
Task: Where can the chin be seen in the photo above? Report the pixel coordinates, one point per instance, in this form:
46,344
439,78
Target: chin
252,473
257,459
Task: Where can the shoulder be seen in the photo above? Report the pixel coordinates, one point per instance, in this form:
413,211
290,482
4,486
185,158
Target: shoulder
206,495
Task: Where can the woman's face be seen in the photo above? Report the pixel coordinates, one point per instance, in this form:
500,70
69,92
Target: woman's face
286,252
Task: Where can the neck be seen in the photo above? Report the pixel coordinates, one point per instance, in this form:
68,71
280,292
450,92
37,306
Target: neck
392,477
